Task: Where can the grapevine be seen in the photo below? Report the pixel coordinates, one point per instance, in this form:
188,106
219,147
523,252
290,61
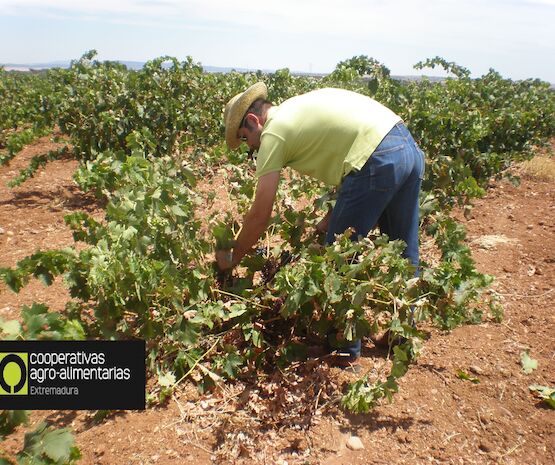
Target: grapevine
146,140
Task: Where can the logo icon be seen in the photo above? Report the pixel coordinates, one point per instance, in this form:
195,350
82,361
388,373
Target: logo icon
13,373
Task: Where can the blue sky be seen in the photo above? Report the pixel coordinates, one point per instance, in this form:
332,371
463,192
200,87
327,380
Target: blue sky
515,37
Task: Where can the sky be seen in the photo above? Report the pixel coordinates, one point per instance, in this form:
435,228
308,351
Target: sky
514,37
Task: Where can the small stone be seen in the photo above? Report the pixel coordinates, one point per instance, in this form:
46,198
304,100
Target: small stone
486,446
10,233
503,371
354,443
2,231
476,369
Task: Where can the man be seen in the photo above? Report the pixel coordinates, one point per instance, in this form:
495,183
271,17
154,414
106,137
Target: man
343,139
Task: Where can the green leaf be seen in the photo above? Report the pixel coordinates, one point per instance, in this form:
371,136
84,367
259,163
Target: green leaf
461,374
188,333
58,445
36,309
236,310
332,285
232,363
360,294
528,364
545,393
293,352
166,379
49,447
223,234
129,233
73,330
11,328
177,211
253,335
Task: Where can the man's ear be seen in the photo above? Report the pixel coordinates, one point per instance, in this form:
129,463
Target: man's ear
252,121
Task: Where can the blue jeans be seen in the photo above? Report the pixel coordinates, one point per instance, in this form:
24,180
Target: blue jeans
384,192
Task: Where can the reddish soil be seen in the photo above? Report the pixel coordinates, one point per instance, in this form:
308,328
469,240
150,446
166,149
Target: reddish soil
435,418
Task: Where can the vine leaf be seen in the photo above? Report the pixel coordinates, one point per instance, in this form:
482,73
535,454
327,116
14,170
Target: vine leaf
545,393
47,446
528,363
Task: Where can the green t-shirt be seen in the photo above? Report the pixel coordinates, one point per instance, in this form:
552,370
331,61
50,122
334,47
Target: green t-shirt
325,134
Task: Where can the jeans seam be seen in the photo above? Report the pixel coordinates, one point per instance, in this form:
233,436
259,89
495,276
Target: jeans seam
392,149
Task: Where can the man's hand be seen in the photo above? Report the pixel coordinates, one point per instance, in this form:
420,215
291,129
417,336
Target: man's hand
224,259
322,226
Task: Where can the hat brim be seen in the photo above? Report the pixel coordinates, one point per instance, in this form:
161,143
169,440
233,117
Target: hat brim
235,111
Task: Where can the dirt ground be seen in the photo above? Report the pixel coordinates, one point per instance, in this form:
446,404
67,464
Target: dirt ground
435,418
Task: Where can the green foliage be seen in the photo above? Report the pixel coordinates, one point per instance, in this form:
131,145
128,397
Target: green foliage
328,289
454,283
46,446
43,446
449,66
361,396
39,323
225,237
143,138
29,105
111,108
37,162
374,72
283,85
44,266
473,129
11,419
145,260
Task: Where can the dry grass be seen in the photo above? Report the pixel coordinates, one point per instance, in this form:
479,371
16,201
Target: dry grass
540,167
491,241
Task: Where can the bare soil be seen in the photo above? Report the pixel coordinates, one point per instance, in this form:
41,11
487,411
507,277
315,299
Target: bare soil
435,418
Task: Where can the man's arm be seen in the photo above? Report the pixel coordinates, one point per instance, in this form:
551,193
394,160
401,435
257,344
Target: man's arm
255,221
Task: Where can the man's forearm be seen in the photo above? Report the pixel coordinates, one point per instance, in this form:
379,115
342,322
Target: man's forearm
254,225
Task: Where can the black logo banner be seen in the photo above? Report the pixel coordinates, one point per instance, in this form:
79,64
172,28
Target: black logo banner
73,375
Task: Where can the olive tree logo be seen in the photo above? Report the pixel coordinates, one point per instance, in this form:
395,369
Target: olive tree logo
13,374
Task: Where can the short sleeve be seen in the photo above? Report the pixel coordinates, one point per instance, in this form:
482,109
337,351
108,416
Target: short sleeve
271,154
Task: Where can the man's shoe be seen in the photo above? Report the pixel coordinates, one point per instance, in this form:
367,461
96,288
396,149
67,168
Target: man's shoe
347,363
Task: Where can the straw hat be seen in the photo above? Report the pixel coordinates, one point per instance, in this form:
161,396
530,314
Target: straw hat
237,107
